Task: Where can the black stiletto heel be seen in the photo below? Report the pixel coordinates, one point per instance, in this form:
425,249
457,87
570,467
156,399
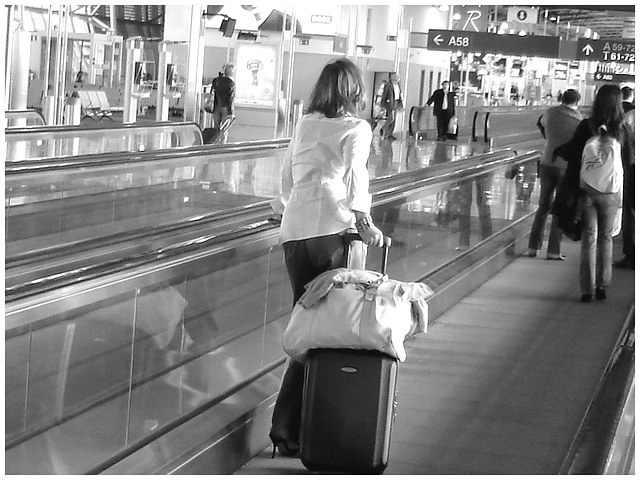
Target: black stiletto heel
284,449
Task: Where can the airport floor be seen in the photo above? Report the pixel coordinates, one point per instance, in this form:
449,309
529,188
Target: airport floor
501,382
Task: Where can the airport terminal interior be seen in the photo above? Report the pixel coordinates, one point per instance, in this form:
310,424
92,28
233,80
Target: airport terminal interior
146,336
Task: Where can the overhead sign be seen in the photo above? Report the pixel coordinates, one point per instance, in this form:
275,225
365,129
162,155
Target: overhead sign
614,50
613,77
452,40
522,14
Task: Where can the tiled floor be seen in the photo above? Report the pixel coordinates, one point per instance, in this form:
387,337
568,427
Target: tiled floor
500,384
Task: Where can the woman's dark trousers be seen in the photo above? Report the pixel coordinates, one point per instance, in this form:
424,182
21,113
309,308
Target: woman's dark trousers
305,260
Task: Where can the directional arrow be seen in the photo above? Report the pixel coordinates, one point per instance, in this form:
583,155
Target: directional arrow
588,49
438,40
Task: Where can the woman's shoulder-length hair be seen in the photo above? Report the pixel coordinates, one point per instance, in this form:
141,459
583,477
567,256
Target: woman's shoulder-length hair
607,110
339,90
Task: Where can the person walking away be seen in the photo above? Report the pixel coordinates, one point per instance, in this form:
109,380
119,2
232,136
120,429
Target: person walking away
557,125
629,195
443,108
324,193
392,103
627,99
224,89
604,134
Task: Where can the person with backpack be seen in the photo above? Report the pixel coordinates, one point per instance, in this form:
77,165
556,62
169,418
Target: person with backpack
595,155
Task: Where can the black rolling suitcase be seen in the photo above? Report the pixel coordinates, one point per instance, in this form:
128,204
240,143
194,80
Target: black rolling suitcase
348,408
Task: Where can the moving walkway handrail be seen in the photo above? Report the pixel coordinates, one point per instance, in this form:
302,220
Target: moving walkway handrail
65,163
387,187
384,190
489,112
47,142
40,129
27,114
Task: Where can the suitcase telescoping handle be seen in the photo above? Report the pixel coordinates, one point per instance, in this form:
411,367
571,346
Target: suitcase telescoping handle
351,237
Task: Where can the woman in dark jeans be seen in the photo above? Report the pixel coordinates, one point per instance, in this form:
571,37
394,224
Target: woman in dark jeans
324,193
599,210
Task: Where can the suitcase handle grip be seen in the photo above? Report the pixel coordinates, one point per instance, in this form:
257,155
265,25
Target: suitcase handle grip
386,244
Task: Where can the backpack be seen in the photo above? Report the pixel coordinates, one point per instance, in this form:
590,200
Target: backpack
601,163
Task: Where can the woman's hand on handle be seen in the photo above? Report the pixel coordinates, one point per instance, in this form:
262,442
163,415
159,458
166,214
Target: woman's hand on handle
369,233
372,236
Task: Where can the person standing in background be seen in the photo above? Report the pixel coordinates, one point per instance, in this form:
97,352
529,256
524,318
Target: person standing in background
557,125
392,103
224,89
443,108
629,188
627,99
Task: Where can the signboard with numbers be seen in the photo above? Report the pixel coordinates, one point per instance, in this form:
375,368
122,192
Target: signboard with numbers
454,40
613,50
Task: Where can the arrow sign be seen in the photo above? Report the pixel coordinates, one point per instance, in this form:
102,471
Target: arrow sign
588,49
450,40
610,50
464,41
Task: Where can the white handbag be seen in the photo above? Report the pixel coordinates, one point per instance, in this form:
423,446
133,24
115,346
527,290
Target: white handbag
370,315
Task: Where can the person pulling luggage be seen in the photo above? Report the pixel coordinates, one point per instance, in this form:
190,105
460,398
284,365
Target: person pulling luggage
324,193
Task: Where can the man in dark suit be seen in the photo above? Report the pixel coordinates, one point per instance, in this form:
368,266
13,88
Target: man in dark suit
443,108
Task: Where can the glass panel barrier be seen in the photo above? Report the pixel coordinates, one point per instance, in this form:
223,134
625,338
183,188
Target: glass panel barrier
67,204
126,358
57,141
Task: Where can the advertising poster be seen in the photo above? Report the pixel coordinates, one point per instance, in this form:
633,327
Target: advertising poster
256,75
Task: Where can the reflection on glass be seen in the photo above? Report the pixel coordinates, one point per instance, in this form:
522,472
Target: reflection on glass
56,208
482,192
